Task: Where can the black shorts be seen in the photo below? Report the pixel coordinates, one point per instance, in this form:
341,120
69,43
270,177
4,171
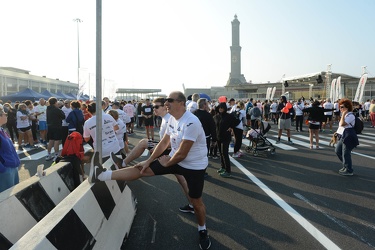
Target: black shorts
54,133
194,178
149,122
152,144
328,117
23,130
314,126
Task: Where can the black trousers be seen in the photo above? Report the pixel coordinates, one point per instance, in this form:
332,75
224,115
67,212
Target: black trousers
224,154
238,136
12,128
299,122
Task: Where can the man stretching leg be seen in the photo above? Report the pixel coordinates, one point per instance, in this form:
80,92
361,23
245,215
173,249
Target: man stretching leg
188,157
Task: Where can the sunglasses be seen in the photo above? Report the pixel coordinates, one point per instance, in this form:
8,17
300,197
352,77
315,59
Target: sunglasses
157,106
341,107
171,100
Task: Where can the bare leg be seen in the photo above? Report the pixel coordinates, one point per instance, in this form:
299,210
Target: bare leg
152,132
183,183
137,151
130,174
56,146
50,145
30,137
311,137
199,210
20,137
317,137
280,132
148,132
288,133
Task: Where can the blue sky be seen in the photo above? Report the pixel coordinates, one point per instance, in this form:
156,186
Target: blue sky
164,43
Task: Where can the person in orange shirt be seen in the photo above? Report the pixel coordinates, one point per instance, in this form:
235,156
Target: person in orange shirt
86,114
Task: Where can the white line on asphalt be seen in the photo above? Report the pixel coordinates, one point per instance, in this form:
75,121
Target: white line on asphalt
319,236
332,218
371,157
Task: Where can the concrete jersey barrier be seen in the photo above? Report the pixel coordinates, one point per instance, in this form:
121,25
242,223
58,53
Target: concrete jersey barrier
48,213
25,204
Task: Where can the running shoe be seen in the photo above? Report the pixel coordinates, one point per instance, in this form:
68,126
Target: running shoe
49,157
221,170
225,174
117,162
95,168
187,209
204,240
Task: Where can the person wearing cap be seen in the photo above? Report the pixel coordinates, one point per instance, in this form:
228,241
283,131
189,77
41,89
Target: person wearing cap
284,119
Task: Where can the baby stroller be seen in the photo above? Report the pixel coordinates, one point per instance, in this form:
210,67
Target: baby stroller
258,141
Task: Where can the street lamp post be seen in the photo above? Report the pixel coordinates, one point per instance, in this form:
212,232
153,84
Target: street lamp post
79,63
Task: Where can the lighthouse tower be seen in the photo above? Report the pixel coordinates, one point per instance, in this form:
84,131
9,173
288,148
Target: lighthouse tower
235,76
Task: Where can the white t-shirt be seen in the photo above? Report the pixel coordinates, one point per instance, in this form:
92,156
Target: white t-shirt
298,108
66,112
120,132
123,116
22,123
109,139
192,107
164,125
350,122
273,107
42,109
129,109
336,106
328,105
188,127
242,117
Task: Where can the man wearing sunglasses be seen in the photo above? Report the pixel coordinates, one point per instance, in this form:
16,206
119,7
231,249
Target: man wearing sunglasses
188,157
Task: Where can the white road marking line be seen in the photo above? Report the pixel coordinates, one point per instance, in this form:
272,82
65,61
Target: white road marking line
319,236
332,218
281,145
371,157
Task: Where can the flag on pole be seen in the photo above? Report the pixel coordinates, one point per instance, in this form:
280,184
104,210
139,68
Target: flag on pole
332,92
361,87
273,92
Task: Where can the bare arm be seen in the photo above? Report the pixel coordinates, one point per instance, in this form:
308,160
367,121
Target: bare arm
179,156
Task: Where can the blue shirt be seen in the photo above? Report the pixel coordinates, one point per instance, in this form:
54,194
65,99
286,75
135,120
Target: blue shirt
8,155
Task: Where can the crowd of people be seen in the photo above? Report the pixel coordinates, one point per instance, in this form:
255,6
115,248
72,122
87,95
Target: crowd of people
191,130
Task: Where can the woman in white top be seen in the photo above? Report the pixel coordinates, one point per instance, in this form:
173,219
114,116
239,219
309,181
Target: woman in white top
238,130
24,128
120,132
347,137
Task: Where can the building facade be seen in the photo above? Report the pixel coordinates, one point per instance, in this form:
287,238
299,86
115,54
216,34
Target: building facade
13,80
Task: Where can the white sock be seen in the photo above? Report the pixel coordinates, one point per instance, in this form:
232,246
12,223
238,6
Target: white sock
123,164
200,228
105,176
191,206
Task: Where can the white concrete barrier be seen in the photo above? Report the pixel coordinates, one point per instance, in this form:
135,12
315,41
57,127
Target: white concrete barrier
48,213
93,216
23,205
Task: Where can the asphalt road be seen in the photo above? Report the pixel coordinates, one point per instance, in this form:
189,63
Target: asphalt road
294,199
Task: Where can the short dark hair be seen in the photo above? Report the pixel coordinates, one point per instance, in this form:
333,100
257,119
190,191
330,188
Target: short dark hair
52,100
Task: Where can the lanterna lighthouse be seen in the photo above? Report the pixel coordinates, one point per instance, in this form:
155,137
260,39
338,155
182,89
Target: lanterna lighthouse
235,76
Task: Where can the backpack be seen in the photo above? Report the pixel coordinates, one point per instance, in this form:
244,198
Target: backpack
358,125
256,112
236,114
73,145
